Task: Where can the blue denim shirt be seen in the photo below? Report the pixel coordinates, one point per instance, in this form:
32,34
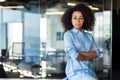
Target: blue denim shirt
76,41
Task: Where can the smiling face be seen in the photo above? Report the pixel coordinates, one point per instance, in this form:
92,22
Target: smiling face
77,20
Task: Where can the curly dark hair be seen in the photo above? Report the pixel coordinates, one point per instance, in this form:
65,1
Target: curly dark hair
89,19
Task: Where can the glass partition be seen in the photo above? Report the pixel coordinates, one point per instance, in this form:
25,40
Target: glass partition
54,35
20,37
42,36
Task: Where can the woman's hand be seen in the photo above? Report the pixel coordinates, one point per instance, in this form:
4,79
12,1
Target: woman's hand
92,48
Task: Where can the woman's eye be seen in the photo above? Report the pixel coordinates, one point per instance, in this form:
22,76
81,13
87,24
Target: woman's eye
81,18
74,18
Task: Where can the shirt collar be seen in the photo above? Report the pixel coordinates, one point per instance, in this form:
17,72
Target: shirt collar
76,31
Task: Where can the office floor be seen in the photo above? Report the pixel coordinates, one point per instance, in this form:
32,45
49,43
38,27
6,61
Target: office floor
15,75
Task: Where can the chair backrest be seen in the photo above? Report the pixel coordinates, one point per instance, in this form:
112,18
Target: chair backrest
4,55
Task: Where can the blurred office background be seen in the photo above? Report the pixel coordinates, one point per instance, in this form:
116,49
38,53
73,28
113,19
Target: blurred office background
31,37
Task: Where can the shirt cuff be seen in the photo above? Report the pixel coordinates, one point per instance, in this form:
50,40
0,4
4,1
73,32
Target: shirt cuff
97,51
73,55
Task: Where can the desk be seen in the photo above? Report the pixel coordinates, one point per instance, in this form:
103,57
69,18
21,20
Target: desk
20,66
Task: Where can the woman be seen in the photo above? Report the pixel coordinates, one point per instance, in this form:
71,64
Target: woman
80,46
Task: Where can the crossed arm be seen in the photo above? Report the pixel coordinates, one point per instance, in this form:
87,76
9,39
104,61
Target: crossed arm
87,55
72,50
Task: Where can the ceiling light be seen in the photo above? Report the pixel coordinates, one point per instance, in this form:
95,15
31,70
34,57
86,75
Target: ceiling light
11,6
93,8
71,4
2,0
53,13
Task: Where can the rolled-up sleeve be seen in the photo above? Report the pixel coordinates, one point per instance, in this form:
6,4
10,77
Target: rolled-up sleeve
96,47
69,46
